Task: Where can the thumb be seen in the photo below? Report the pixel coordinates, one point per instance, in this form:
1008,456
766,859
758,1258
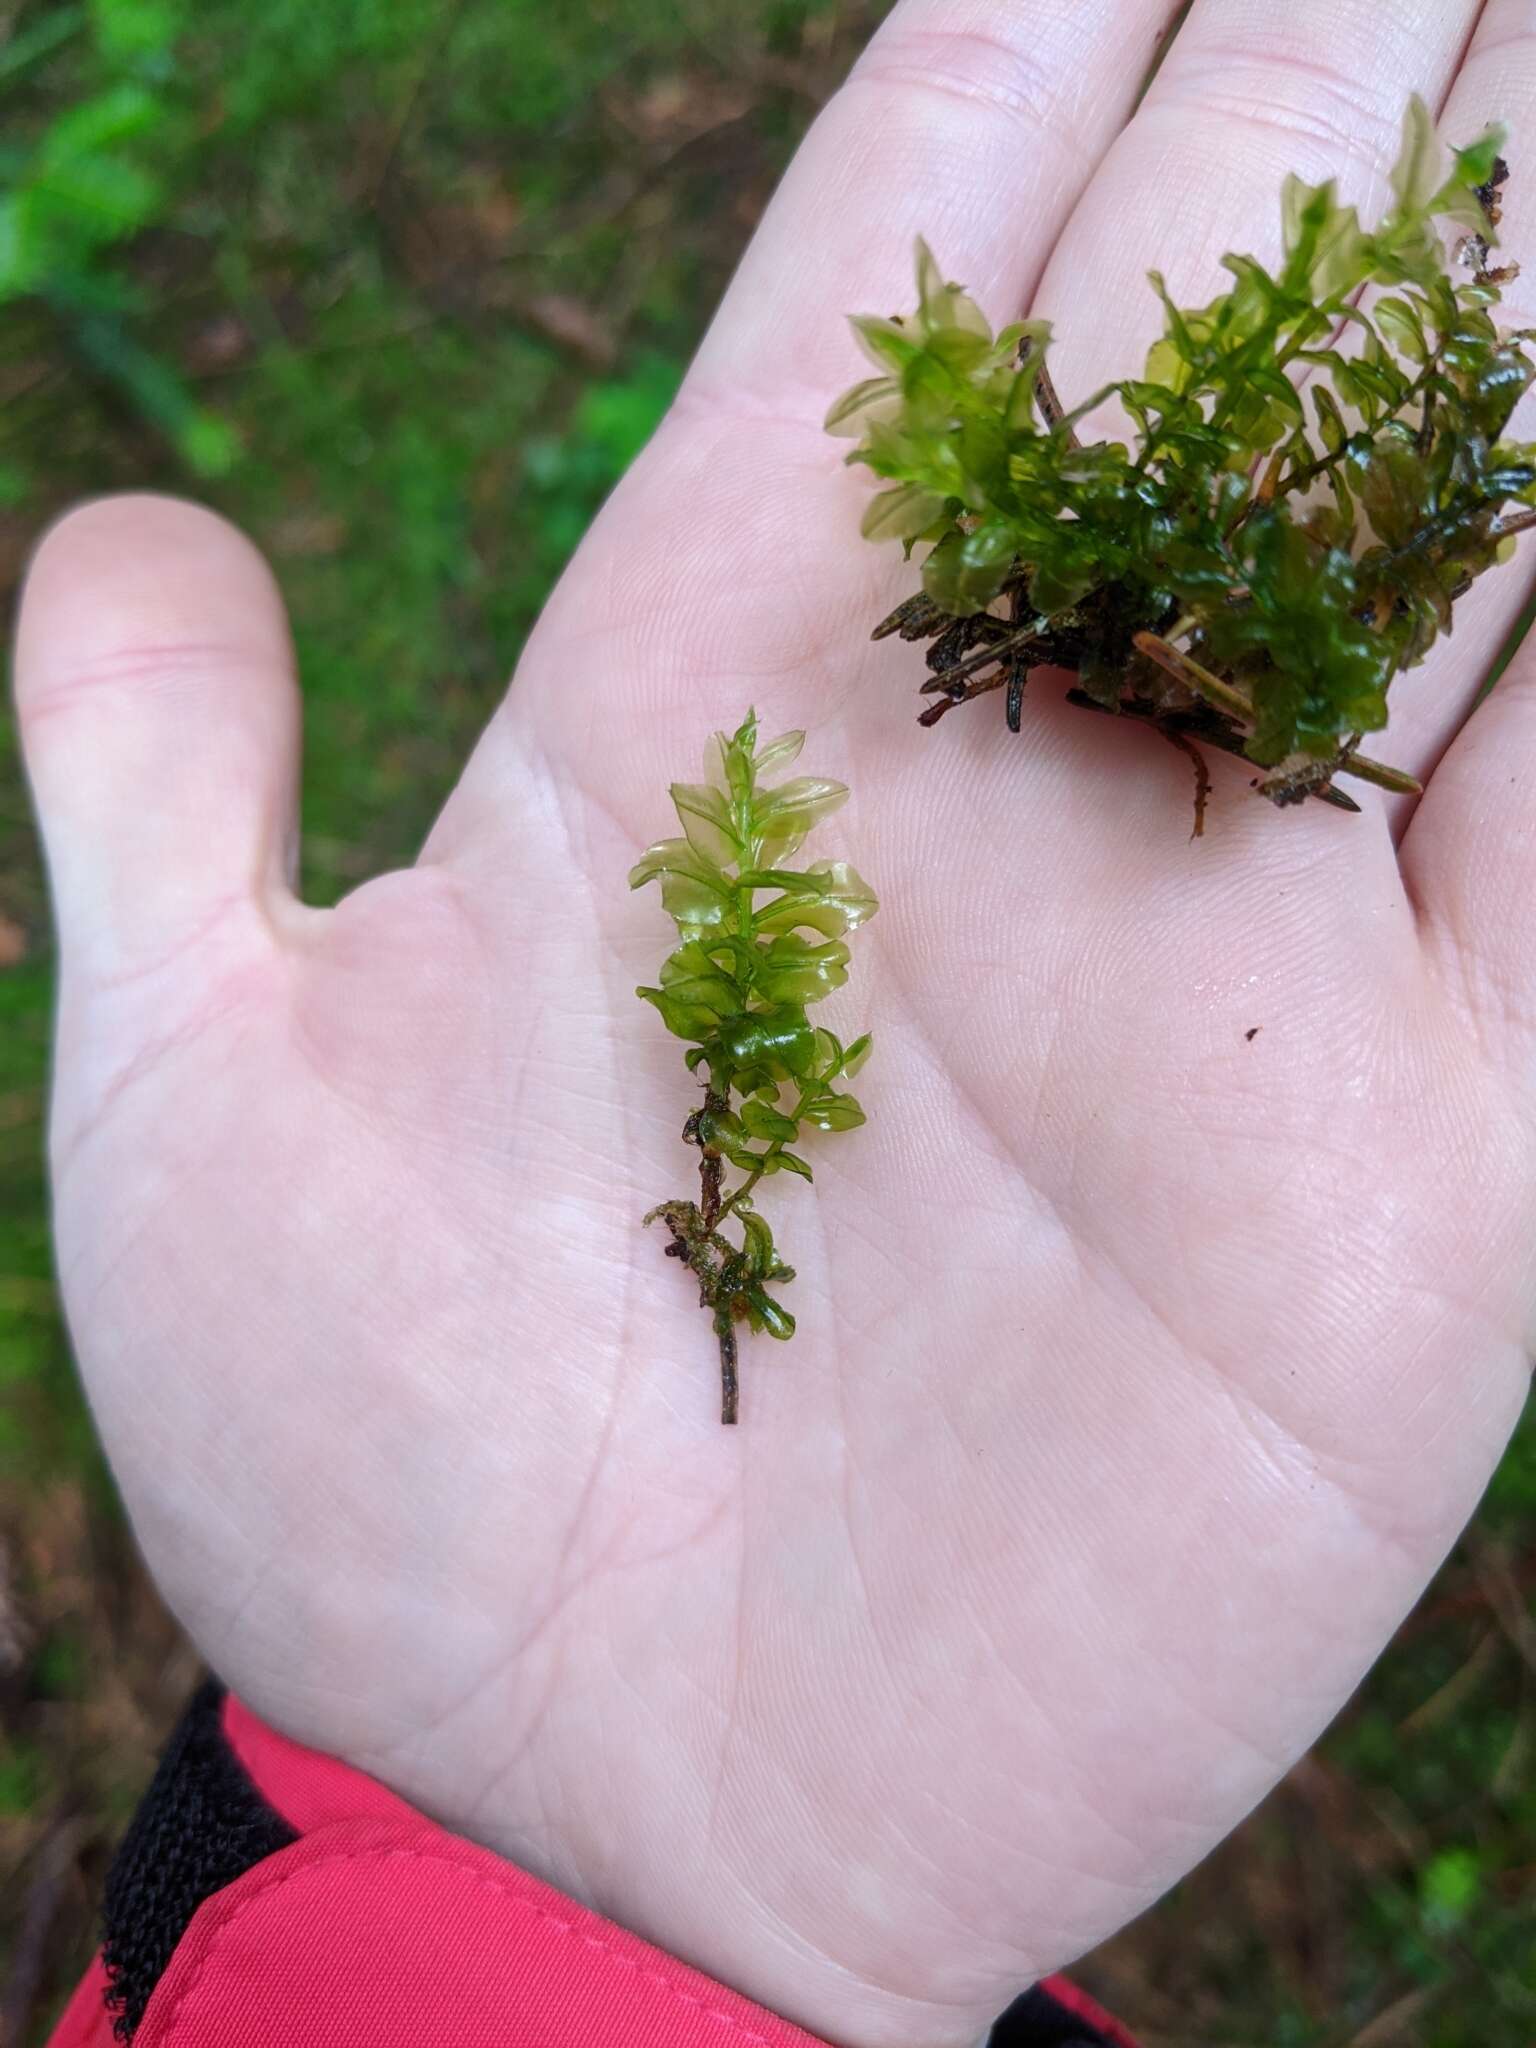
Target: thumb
159,721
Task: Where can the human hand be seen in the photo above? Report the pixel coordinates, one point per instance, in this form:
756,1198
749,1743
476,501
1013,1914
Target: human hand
1146,1367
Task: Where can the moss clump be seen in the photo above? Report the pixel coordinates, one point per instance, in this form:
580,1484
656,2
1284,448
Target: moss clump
1265,555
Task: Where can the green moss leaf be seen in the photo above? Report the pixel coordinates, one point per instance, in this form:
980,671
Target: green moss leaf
692,903
856,408
790,1162
887,343
763,1122
757,1241
785,815
904,513
778,753
677,857
857,1053
1415,175
833,1112
684,1019
772,1315
780,1040
705,815
809,913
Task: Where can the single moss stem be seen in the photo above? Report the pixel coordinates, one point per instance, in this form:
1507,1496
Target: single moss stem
1193,674
1199,678
993,651
1308,328
1398,780
725,1331
1052,411
739,998
711,1160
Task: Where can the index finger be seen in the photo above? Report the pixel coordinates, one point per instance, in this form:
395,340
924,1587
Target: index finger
975,123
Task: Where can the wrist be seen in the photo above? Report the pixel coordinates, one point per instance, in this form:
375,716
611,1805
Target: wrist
313,1904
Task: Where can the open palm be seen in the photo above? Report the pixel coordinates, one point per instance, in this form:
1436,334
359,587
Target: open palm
1156,1336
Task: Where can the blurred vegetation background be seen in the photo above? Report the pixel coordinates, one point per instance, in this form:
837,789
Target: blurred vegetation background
402,286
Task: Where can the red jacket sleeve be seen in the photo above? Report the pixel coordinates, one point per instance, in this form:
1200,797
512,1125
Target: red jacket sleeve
267,1896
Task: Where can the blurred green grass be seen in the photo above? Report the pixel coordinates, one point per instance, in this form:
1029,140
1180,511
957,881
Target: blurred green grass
403,288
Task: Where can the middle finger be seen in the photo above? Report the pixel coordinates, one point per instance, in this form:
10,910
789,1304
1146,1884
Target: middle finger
1250,90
